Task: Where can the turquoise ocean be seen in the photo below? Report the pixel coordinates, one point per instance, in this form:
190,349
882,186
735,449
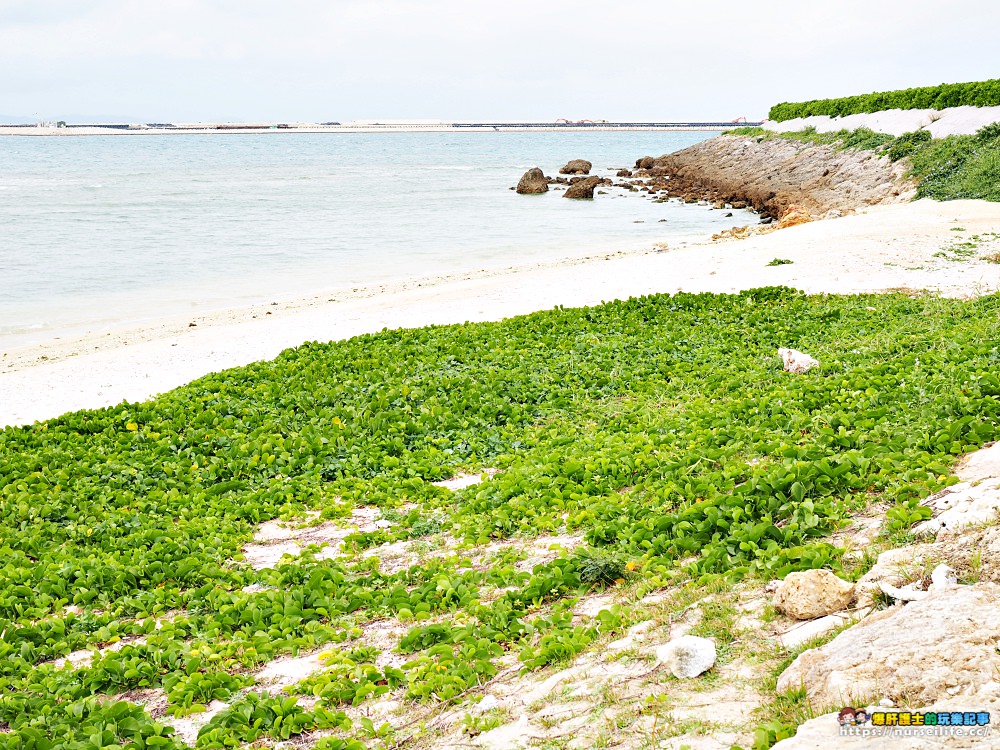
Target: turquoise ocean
105,231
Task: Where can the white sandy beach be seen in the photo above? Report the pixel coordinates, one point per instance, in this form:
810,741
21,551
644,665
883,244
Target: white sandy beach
886,248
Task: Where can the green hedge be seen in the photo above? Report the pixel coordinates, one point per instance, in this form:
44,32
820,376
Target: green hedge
982,94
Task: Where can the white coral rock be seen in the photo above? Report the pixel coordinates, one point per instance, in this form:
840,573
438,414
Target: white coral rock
687,656
797,362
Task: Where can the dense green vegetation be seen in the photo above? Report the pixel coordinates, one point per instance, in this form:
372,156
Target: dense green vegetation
661,429
959,166
977,94
956,167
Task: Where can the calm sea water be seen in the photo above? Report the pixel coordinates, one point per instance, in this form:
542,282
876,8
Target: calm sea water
100,231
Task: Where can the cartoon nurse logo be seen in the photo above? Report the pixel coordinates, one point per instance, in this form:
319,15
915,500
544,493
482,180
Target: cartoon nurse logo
847,716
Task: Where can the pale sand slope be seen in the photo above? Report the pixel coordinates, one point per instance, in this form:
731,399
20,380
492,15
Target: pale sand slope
939,122
888,247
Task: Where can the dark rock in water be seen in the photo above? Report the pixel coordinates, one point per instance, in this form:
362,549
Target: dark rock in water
533,182
646,162
583,188
767,220
624,173
729,215
577,166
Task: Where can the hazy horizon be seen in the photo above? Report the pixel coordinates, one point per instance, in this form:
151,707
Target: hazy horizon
305,60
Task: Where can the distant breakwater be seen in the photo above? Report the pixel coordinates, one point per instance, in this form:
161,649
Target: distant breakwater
356,127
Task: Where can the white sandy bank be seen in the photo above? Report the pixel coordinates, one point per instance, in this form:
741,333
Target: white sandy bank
888,247
939,122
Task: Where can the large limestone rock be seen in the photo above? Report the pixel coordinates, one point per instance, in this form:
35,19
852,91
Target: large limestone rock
577,166
824,731
533,182
813,593
687,656
980,464
965,504
583,188
915,654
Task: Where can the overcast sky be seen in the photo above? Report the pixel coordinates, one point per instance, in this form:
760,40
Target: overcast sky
318,60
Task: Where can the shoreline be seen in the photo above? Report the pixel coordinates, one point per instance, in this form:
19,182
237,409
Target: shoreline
75,336
885,248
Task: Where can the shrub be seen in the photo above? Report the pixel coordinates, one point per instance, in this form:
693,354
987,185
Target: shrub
907,143
976,94
989,132
600,567
958,167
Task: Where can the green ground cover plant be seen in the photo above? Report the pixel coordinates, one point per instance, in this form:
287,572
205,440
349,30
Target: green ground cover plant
975,94
661,430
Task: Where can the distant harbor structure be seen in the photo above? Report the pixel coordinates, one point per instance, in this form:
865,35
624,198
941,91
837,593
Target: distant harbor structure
360,126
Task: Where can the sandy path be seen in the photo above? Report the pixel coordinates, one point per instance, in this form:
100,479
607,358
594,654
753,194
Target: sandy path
888,247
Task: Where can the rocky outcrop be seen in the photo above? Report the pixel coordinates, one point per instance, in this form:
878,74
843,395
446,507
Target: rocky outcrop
774,175
980,464
533,182
577,166
824,731
793,216
965,504
812,593
582,188
914,654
